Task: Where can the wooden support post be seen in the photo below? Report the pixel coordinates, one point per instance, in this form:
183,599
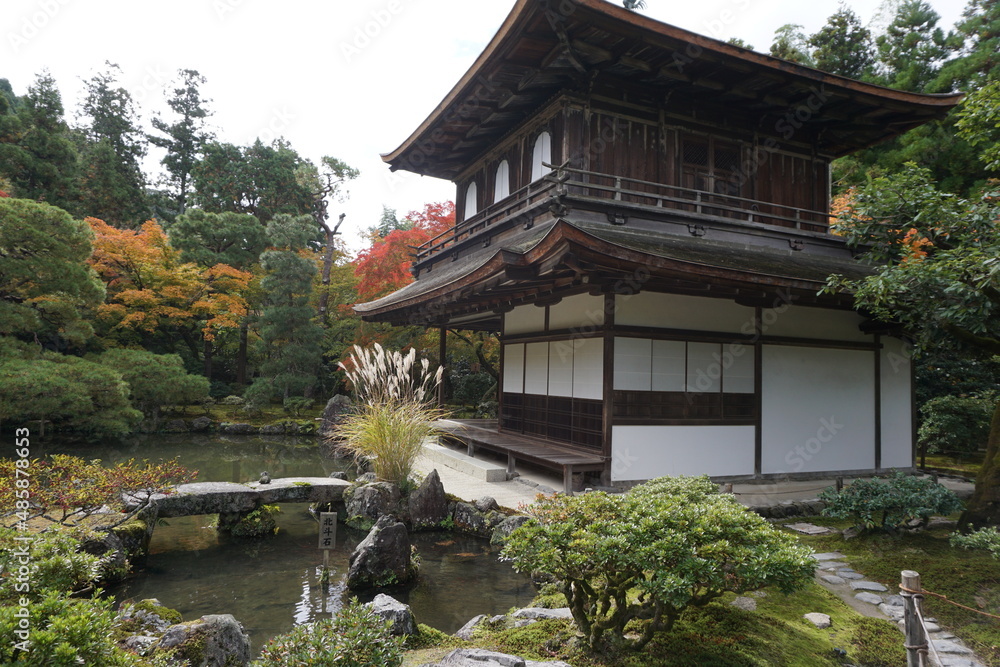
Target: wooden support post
840,484
568,480
511,464
441,354
913,629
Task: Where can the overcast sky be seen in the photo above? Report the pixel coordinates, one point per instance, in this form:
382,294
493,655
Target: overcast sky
348,78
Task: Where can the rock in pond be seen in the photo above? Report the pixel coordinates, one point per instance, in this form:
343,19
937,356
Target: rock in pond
367,503
383,558
477,657
428,503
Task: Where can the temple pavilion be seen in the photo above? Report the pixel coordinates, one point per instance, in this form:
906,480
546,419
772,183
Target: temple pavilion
644,220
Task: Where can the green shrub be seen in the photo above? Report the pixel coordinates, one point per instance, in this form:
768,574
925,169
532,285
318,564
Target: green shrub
641,558
891,502
959,424
296,405
258,523
356,637
55,561
985,538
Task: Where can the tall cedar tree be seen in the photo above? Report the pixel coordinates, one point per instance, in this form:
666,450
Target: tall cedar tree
37,154
913,47
113,185
185,138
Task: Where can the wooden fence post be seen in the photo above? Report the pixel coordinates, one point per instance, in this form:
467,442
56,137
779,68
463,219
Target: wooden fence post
916,638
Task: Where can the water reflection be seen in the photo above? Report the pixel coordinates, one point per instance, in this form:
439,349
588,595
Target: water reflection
273,584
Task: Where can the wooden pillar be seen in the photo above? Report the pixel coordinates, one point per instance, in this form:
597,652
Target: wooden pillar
608,411
758,390
442,351
878,402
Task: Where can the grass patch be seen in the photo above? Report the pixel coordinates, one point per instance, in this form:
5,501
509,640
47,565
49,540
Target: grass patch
964,465
969,577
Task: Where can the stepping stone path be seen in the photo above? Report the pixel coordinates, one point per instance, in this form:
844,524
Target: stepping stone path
842,580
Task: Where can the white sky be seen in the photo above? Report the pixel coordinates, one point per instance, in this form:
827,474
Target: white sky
307,71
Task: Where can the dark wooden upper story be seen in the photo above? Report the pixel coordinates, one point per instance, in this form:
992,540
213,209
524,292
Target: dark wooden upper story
580,112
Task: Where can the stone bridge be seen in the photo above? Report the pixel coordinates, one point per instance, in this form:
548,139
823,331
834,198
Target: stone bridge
229,497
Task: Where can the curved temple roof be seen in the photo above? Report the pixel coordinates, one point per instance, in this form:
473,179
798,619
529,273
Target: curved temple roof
545,47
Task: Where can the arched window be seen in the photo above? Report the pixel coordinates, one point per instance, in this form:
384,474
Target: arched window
471,200
502,188
541,153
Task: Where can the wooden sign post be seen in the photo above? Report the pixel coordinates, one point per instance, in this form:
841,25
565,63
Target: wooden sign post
327,540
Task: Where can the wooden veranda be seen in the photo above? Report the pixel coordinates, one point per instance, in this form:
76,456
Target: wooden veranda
478,434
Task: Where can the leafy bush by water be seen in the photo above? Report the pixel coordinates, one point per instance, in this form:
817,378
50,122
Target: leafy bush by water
890,503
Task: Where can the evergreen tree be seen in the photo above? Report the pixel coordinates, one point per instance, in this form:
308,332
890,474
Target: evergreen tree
185,138
260,180
290,338
843,46
113,186
913,47
977,42
790,44
37,154
207,239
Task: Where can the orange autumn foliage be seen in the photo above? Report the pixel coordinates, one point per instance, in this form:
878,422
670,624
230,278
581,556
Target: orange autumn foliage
149,288
385,266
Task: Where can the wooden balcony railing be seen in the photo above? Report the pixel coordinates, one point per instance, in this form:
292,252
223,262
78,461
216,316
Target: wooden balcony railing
579,184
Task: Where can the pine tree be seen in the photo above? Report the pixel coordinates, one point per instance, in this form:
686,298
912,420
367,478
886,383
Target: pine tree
843,46
113,184
185,138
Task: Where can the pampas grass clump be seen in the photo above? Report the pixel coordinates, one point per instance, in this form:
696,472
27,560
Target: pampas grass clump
395,409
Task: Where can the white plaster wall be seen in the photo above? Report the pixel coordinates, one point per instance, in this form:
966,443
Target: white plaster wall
897,423
536,368
524,319
818,409
673,311
669,363
633,357
645,452
808,322
513,368
581,311
560,369
588,369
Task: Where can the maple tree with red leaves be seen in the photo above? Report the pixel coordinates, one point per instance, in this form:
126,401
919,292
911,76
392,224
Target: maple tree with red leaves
384,267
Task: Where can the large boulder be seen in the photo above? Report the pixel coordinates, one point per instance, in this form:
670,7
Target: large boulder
392,610
211,641
333,413
201,425
383,558
469,519
367,503
428,503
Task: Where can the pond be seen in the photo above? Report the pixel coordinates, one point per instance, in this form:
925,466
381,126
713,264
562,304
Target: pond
273,584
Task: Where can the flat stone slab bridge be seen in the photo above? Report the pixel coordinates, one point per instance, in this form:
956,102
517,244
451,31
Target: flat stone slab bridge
225,497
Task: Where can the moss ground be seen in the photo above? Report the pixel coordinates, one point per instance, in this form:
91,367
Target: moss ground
969,577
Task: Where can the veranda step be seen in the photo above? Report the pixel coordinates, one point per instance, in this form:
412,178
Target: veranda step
482,470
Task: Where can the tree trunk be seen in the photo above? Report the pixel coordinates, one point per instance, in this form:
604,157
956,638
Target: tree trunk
983,509
241,355
208,359
324,296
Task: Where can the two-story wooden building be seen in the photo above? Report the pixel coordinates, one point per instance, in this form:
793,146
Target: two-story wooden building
643,217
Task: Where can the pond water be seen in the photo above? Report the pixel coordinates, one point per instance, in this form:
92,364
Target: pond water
273,584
